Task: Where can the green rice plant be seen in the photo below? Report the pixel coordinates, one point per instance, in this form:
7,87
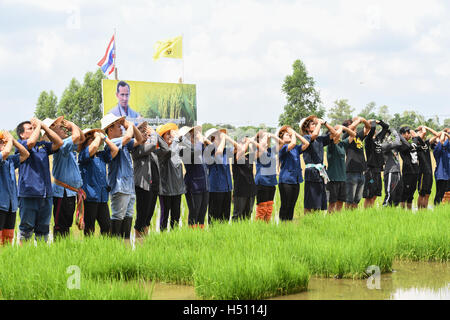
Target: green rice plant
238,260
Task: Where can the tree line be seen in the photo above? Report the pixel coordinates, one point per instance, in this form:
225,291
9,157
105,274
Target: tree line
81,103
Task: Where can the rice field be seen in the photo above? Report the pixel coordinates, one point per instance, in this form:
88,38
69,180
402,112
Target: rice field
238,260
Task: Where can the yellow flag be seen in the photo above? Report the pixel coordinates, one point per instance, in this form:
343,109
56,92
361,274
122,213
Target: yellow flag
170,48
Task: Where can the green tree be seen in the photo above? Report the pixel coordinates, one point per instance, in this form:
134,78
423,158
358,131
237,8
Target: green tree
81,103
340,111
368,112
46,106
446,123
302,97
383,114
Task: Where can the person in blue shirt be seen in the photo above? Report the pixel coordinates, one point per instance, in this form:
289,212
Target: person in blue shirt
290,170
8,190
92,164
120,174
35,186
66,175
122,109
219,175
266,175
196,178
315,174
441,154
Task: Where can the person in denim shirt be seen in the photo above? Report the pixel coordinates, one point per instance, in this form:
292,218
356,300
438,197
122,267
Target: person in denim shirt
219,175
266,175
196,177
8,191
442,172
67,177
35,187
92,164
120,173
290,170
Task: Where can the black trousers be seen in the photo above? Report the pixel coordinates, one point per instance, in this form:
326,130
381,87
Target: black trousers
170,206
198,205
393,187
288,195
219,206
243,207
63,210
96,211
265,193
145,207
441,189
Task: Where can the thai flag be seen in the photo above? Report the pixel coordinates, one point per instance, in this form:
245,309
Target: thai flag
107,62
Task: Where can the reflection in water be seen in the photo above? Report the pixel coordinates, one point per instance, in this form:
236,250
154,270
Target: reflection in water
410,280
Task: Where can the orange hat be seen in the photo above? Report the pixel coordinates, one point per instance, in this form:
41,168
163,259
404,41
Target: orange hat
166,127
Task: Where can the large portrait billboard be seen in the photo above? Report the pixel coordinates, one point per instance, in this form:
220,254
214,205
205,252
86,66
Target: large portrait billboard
156,102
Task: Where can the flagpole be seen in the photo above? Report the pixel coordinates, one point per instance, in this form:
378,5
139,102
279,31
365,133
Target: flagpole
115,55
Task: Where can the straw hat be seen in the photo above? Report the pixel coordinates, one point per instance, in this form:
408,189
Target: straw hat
49,122
184,130
302,122
91,131
166,127
211,131
282,129
142,126
109,120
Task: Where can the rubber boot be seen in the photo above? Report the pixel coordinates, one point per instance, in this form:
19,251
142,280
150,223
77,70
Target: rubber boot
116,228
1,237
268,211
126,229
7,236
201,226
260,211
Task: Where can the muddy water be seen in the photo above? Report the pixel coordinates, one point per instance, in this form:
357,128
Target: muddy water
410,280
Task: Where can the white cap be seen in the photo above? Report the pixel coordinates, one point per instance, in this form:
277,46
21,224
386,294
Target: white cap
49,122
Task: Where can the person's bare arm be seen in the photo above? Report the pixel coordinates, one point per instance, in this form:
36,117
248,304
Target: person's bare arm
367,126
293,142
433,132
57,142
7,148
338,134
112,147
24,154
305,143
95,144
316,131
355,123
221,145
242,149
351,133
139,138
76,132
34,137
329,127
129,132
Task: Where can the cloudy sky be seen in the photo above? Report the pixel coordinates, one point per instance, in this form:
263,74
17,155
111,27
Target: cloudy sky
237,52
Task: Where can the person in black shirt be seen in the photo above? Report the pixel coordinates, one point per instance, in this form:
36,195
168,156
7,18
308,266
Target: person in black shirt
425,167
375,163
244,192
355,163
410,169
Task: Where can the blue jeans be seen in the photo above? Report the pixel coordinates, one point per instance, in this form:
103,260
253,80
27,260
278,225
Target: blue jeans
354,187
122,205
35,215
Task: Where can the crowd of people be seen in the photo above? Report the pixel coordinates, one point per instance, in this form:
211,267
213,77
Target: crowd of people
103,175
